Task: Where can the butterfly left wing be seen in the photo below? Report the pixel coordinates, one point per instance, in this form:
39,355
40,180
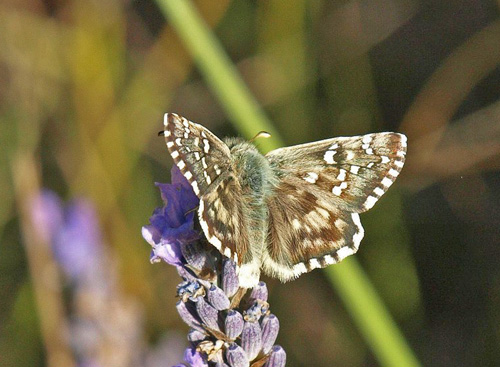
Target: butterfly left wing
205,161
313,212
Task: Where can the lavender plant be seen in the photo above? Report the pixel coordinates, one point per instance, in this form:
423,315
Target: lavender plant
105,327
229,327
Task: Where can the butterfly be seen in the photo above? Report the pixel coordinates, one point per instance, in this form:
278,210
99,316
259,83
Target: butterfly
289,211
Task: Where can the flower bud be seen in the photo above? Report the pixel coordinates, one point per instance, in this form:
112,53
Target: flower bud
251,339
207,313
230,282
217,298
236,356
233,324
270,328
277,358
259,292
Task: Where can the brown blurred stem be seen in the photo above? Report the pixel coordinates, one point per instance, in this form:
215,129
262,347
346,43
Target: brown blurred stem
43,270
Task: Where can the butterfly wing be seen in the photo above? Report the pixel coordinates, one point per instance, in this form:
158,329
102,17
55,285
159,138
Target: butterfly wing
200,155
205,161
353,172
313,212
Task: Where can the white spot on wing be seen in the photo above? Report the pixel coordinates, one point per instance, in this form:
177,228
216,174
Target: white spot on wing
350,155
329,259
188,175
342,175
378,191
343,252
299,268
314,264
329,156
369,151
196,190
370,202
311,177
367,139
206,145
387,182
393,172
167,133
358,236
170,144
178,141
399,164
355,169
174,154
337,190
181,165
404,140
385,159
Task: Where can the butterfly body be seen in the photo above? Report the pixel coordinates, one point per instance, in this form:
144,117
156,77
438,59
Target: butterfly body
289,211
256,178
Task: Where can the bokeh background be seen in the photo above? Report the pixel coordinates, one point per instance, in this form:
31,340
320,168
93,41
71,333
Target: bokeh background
83,89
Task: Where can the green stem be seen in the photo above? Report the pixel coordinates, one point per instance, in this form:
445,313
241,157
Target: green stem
219,72
358,294
370,315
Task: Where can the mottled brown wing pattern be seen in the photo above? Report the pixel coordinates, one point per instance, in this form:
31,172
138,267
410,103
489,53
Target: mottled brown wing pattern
205,161
307,231
314,220
221,218
200,155
354,172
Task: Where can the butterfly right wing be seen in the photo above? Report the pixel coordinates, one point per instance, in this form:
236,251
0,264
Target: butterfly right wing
205,161
322,186
353,172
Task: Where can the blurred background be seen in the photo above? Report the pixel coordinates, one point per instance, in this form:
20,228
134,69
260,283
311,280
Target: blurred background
83,89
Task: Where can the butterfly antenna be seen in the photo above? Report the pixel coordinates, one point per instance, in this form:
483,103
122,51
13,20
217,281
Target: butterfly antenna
260,134
192,210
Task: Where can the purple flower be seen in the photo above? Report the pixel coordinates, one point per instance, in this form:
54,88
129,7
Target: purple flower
102,318
229,328
73,232
171,226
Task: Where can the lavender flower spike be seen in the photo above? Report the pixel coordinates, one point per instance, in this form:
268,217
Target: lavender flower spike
277,357
228,327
